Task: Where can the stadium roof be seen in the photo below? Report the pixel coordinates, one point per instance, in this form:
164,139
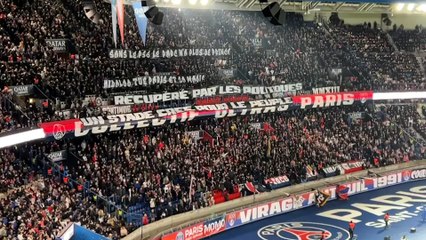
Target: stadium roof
308,7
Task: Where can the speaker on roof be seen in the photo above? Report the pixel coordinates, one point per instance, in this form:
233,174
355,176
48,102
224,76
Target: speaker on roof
275,13
279,18
386,20
158,18
334,18
147,3
90,11
151,12
271,10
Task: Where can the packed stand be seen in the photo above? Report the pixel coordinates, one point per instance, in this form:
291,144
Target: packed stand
42,210
297,52
36,204
421,128
14,172
420,125
156,167
302,53
153,167
388,69
409,40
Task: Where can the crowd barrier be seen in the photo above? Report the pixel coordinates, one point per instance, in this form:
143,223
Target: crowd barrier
209,221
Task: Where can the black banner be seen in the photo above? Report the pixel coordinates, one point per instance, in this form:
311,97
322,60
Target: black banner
207,92
22,90
58,45
168,53
57,156
145,81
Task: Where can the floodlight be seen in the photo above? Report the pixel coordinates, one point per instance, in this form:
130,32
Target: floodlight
410,7
399,6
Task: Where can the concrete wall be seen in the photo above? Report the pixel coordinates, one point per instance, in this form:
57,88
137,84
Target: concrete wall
179,221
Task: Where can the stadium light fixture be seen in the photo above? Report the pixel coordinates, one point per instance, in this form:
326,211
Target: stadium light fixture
154,15
192,2
176,2
22,137
399,95
411,6
399,7
422,7
204,2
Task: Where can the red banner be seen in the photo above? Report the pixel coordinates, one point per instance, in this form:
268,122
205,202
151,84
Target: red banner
58,129
222,99
352,166
332,99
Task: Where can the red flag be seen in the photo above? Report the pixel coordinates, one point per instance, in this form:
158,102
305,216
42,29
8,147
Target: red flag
267,127
406,158
208,138
376,162
251,187
342,192
120,15
209,172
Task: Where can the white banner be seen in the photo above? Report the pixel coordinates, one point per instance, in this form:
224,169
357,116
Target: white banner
196,135
58,45
97,125
168,53
57,156
257,126
227,73
257,42
152,80
206,92
158,117
112,109
322,90
22,90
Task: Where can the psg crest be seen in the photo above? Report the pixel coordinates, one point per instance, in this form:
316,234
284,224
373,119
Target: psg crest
302,231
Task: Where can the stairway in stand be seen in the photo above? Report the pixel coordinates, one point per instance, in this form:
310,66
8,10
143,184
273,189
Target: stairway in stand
392,43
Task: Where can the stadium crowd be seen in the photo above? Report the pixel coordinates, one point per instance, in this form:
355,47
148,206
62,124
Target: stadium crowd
163,169
154,167
409,40
388,69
